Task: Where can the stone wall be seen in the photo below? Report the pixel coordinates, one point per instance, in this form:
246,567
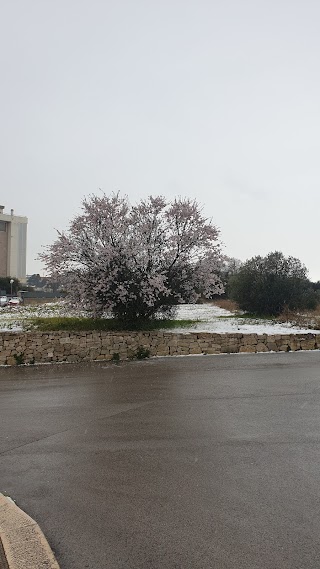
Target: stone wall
37,347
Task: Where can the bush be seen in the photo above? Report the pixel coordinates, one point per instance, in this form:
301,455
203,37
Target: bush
269,285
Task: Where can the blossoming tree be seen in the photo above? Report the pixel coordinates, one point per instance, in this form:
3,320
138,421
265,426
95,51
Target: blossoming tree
136,261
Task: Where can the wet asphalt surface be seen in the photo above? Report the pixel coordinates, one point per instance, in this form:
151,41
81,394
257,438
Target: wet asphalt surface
193,463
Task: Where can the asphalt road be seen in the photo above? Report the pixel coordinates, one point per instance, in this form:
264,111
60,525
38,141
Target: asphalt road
190,463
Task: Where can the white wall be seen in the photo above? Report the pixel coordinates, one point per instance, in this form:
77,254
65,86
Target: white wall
17,245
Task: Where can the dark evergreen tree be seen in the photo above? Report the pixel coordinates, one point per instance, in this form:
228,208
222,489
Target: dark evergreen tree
268,285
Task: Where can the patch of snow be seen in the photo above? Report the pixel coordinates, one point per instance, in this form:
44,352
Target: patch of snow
15,319
202,312
210,318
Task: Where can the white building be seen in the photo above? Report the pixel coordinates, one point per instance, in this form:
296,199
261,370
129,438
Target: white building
13,245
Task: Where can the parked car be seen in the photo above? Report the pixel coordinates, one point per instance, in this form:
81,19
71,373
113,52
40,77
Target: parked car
3,300
14,301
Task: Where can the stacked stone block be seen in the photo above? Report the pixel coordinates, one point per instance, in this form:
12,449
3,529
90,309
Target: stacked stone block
37,347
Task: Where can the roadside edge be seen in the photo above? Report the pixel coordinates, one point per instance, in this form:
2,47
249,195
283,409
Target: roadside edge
23,542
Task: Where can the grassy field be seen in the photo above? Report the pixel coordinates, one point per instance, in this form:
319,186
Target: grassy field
108,324
220,316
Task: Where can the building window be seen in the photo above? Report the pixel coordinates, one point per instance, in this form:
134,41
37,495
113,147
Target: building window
3,226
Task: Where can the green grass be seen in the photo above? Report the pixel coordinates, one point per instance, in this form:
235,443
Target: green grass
251,316
248,316
108,324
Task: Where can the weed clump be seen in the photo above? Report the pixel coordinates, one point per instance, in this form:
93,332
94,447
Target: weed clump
142,353
19,358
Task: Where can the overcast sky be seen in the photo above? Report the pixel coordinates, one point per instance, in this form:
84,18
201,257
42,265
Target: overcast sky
213,99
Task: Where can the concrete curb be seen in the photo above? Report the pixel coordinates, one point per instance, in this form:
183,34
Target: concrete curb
24,544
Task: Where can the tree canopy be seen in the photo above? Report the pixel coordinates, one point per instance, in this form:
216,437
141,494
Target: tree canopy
267,285
5,285
136,260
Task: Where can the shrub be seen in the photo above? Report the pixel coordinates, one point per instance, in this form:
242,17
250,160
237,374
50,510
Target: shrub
269,285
